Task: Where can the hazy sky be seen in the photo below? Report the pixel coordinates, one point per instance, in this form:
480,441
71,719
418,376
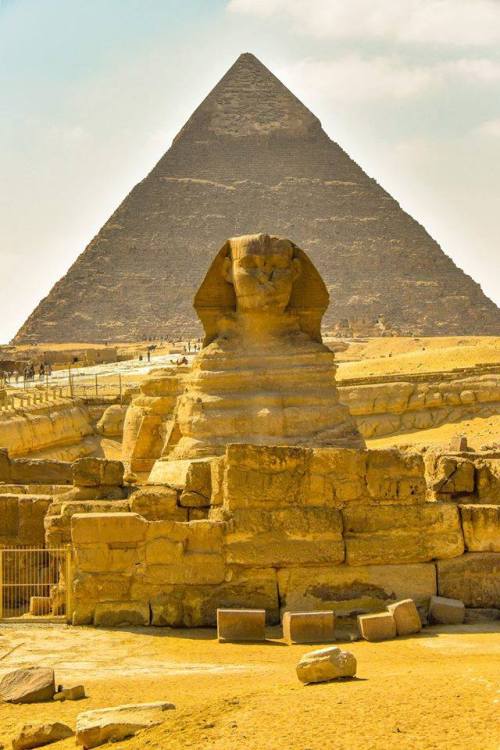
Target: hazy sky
93,91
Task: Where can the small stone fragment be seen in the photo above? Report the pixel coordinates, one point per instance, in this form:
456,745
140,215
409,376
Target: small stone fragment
75,693
94,728
377,627
406,617
446,611
38,735
30,685
326,664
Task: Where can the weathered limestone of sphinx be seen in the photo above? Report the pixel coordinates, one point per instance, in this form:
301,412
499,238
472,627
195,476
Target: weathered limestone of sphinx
264,376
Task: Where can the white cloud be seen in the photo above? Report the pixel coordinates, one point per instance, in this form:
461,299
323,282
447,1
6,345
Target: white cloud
354,78
453,22
490,128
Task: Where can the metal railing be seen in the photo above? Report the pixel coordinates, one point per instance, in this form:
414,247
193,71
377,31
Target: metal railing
34,583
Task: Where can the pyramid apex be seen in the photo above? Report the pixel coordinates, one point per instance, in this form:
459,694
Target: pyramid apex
250,101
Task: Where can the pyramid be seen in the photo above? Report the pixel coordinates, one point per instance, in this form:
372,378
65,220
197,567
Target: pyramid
253,158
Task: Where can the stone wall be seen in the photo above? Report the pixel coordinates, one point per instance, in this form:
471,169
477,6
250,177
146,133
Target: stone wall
287,528
384,408
33,425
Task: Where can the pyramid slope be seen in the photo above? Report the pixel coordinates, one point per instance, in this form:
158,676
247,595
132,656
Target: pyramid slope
253,158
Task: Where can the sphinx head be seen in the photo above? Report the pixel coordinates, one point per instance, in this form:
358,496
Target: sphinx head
261,273
262,270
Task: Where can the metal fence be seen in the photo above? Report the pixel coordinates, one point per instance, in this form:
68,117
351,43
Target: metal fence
34,583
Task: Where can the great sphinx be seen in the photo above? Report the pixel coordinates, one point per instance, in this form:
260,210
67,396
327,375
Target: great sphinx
263,376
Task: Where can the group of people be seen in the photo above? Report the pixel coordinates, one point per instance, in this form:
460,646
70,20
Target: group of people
28,373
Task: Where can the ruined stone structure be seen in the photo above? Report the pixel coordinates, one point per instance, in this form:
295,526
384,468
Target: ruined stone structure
294,529
253,157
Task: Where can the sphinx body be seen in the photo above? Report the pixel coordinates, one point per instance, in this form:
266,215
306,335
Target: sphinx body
264,375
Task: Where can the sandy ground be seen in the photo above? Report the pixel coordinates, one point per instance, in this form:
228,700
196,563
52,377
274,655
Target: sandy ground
480,432
389,356
436,691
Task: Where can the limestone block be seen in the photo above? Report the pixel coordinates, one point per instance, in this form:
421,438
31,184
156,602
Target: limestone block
264,477
9,513
38,735
75,693
406,617
196,606
40,605
47,471
377,535
107,527
473,578
241,625
217,480
103,725
446,611
395,476
326,664
451,475
290,536
100,587
194,569
481,527
112,420
309,627
104,558
93,472
117,614
157,504
5,470
28,685
351,590
488,480
186,475
32,512
335,477
164,552
377,627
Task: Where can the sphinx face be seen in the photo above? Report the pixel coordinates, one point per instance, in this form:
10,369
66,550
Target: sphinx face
262,271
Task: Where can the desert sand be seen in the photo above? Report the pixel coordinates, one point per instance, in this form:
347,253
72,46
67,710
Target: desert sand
435,691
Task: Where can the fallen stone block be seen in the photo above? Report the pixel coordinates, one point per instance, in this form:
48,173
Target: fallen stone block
309,627
326,664
38,735
94,728
75,693
446,611
241,624
29,685
377,627
40,605
406,617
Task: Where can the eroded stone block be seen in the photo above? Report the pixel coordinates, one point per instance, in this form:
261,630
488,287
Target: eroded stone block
377,627
446,611
309,627
406,617
378,535
109,527
241,625
117,614
326,664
